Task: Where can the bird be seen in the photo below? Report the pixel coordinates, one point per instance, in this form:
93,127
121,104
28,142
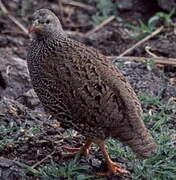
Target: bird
85,91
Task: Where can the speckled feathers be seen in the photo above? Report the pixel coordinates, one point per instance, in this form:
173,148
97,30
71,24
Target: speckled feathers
83,90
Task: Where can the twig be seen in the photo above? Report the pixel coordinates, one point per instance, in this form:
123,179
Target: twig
99,26
6,12
39,162
147,49
78,4
154,33
157,60
74,33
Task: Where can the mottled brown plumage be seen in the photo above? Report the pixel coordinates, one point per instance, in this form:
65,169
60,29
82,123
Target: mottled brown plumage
83,90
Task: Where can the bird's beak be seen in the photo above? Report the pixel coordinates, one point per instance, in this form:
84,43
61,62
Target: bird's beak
34,28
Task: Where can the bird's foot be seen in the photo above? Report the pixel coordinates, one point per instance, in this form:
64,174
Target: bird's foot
84,150
113,169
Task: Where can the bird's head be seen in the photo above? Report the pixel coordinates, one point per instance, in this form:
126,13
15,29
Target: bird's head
45,24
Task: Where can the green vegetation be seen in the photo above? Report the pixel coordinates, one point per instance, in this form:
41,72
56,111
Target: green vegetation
105,9
149,63
67,171
12,136
144,29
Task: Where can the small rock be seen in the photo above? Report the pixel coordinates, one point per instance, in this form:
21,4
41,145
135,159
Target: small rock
31,99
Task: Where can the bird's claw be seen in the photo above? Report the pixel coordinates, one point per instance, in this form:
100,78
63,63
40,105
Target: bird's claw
113,169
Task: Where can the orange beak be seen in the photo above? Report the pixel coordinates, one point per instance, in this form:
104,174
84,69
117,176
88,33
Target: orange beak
34,28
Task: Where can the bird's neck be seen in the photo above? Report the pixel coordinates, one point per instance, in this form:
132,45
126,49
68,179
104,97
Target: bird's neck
44,37
44,46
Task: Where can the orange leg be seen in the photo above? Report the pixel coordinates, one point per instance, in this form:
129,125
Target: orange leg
113,168
84,150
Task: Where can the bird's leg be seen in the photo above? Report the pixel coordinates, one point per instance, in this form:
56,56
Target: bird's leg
84,150
113,168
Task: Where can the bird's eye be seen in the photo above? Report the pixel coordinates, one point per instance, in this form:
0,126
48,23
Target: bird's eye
47,21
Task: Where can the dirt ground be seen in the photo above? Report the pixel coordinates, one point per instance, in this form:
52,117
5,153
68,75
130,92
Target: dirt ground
35,135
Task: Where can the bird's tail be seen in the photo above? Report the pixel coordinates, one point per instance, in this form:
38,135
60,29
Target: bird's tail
139,140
